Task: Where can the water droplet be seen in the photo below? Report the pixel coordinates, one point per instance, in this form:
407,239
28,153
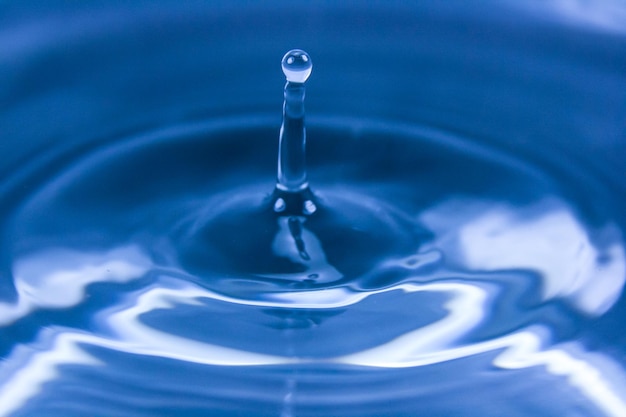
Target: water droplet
292,186
297,66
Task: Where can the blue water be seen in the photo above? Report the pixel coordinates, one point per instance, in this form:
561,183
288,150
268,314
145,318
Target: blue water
466,256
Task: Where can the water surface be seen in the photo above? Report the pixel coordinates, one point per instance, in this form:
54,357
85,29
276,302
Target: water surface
468,254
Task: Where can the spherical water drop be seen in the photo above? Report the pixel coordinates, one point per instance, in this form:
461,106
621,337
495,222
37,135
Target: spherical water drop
297,66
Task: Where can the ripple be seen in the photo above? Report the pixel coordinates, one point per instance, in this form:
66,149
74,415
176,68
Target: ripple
497,272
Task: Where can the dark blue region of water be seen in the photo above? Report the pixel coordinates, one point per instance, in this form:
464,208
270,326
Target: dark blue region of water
534,78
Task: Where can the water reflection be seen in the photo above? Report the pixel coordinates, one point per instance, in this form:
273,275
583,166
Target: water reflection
58,278
425,319
608,15
544,238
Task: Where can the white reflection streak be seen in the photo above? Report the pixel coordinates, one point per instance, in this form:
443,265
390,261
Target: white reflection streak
41,367
545,238
465,313
425,346
553,244
522,350
609,15
149,341
45,281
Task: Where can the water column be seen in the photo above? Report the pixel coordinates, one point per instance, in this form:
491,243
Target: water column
292,194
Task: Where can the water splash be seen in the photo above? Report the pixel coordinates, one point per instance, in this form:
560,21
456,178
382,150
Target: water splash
292,195
399,271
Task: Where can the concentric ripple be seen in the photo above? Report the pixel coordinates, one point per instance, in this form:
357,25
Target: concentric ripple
154,267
